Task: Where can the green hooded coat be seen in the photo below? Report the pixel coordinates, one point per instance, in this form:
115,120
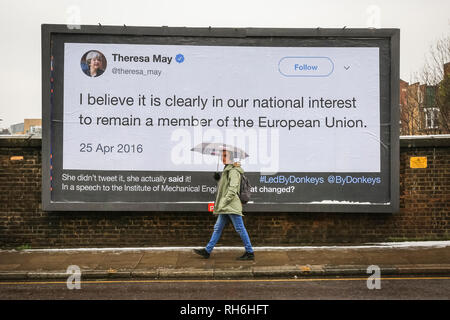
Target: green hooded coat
227,200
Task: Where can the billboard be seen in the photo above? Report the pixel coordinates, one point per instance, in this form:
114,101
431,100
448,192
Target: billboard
126,109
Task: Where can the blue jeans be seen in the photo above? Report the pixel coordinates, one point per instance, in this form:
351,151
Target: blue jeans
238,224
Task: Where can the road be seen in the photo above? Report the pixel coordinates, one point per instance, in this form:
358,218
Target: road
261,289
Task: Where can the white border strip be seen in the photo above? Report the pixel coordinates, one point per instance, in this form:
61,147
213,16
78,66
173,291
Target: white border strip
382,245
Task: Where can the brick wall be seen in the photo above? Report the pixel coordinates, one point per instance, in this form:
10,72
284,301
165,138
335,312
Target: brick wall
424,213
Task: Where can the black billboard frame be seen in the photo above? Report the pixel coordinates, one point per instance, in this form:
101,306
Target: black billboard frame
48,30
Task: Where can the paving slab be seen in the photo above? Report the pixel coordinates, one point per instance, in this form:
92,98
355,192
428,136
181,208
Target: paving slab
227,259
194,261
9,267
424,256
271,258
84,260
383,257
322,257
120,261
39,262
156,259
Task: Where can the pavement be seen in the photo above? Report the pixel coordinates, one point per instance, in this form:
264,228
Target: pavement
418,258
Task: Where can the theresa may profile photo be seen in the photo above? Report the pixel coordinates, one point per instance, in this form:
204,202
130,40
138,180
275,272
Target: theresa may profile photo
93,63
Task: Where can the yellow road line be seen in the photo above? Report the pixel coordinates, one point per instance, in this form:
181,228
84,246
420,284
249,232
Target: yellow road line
223,280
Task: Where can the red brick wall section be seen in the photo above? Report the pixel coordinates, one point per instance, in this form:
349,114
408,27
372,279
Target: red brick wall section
424,213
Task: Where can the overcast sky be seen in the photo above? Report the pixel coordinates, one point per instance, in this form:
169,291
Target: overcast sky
421,23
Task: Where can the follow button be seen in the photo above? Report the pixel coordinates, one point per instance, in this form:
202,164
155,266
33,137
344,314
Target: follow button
306,66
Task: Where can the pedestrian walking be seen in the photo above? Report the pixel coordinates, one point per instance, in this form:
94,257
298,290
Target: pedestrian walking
228,207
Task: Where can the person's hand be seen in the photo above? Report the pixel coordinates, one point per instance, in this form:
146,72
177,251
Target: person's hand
237,164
